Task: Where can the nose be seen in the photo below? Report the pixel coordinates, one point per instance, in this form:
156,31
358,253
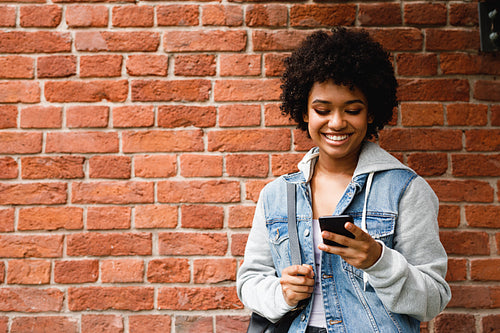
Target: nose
336,121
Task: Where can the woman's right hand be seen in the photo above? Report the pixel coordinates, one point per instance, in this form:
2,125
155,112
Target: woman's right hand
297,283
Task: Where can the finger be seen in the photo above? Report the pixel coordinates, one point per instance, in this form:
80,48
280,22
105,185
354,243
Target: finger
355,230
305,270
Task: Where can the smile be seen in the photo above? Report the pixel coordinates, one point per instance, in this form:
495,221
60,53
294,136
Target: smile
333,137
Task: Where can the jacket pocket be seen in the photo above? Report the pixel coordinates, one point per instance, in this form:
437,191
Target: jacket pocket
280,245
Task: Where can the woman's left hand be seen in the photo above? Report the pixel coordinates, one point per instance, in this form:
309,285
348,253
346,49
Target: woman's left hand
361,252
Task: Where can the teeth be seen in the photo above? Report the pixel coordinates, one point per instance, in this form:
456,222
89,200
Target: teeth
336,137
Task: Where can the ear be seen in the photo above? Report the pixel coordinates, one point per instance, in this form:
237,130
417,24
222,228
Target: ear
370,118
305,116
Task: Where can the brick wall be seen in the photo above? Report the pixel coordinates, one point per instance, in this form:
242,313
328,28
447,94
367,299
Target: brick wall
135,137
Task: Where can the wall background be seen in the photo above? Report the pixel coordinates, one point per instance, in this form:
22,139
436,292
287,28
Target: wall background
136,135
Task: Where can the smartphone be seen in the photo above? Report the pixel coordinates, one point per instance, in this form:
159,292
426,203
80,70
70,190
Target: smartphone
335,224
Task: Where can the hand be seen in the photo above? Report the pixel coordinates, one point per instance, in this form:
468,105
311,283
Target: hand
297,283
361,252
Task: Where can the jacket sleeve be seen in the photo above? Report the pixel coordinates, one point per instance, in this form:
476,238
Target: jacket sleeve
257,284
410,278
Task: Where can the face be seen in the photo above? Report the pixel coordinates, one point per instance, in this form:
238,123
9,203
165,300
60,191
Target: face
337,120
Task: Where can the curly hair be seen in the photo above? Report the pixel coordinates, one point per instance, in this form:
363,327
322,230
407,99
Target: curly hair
348,57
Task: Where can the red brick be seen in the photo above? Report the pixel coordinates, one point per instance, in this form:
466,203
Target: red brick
231,324
162,141
170,91
235,115
46,16
106,298
487,90
8,116
465,242
214,270
240,64
83,16
194,324
8,168
380,14
247,165
449,216
274,64
455,322
422,114
410,64
279,40
19,92
34,41
177,15
31,299
238,243
433,90
109,244
132,16
222,15
101,65
202,217
92,323
82,142
31,246
284,163
198,191
204,40
102,218
133,116
482,140
399,39
457,270
54,324
108,166
76,271
201,165
318,15
467,190
428,164
195,65
249,140
451,39
173,116
465,63
481,216
465,165
50,218
86,91
41,117
117,41
155,216
155,166
240,216
464,14
204,298
495,115
425,13
266,15
122,270
491,323
274,117
149,323
79,116
169,270
485,269
253,188
7,17
192,244
33,194
6,223
467,114
56,66
147,64
16,67
474,297
112,192
21,271
2,279
420,139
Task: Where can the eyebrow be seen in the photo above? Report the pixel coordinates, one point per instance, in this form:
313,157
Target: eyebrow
320,101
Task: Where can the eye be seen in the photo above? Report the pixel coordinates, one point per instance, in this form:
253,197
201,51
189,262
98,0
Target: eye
322,112
353,111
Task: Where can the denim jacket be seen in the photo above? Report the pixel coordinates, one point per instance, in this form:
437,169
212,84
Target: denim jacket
405,286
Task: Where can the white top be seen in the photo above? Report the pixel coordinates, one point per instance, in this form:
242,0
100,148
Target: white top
317,318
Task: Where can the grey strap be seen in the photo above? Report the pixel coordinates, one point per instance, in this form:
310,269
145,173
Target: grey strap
292,225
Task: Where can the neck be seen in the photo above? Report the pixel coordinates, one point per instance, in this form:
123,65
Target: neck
344,166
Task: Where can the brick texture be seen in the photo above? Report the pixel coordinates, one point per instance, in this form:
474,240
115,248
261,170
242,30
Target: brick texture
136,136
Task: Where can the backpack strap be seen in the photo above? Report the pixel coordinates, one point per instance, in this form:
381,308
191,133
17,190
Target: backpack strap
292,225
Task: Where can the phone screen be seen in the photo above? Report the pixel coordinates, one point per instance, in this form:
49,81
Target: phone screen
335,224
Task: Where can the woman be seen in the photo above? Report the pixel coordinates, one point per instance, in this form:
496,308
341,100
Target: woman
340,88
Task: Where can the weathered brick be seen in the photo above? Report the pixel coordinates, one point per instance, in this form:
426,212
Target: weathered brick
54,324
466,165
155,166
195,65
8,116
50,218
487,90
56,66
192,244
428,164
169,270
41,117
92,323
279,40
449,216
149,323
411,64
147,64
482,140
106,298
491,323
467,190
194,324
76,271
481,216
132,16
109,166
33,193
495,115
380,14
133,116
170,91
247,165
234,115
451,39
204,40
46,16
222,15
465,63
266,15
7,18
202,217
457,270
249,140
81,142
420,139
16,67
19,92
274,64
474,297
198,191
399,39
253,188
422,114
155,216
204,298
31,246
274,117
201,165
177,15
122,270
173,116
83,16
101,65
109,244
86,91
318,15
485,269
22,271
31,299
8,168
78,116
240,64
112,192
467,114
425,13
231,324
238,243
102,218
117,41
465,242
162,141
214,270
6,223
34,42
240,216
455,322
433,90
464,14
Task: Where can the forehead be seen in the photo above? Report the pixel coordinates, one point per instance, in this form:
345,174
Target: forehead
328,91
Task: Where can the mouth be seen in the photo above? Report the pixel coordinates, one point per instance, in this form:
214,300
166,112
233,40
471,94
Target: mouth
337,137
